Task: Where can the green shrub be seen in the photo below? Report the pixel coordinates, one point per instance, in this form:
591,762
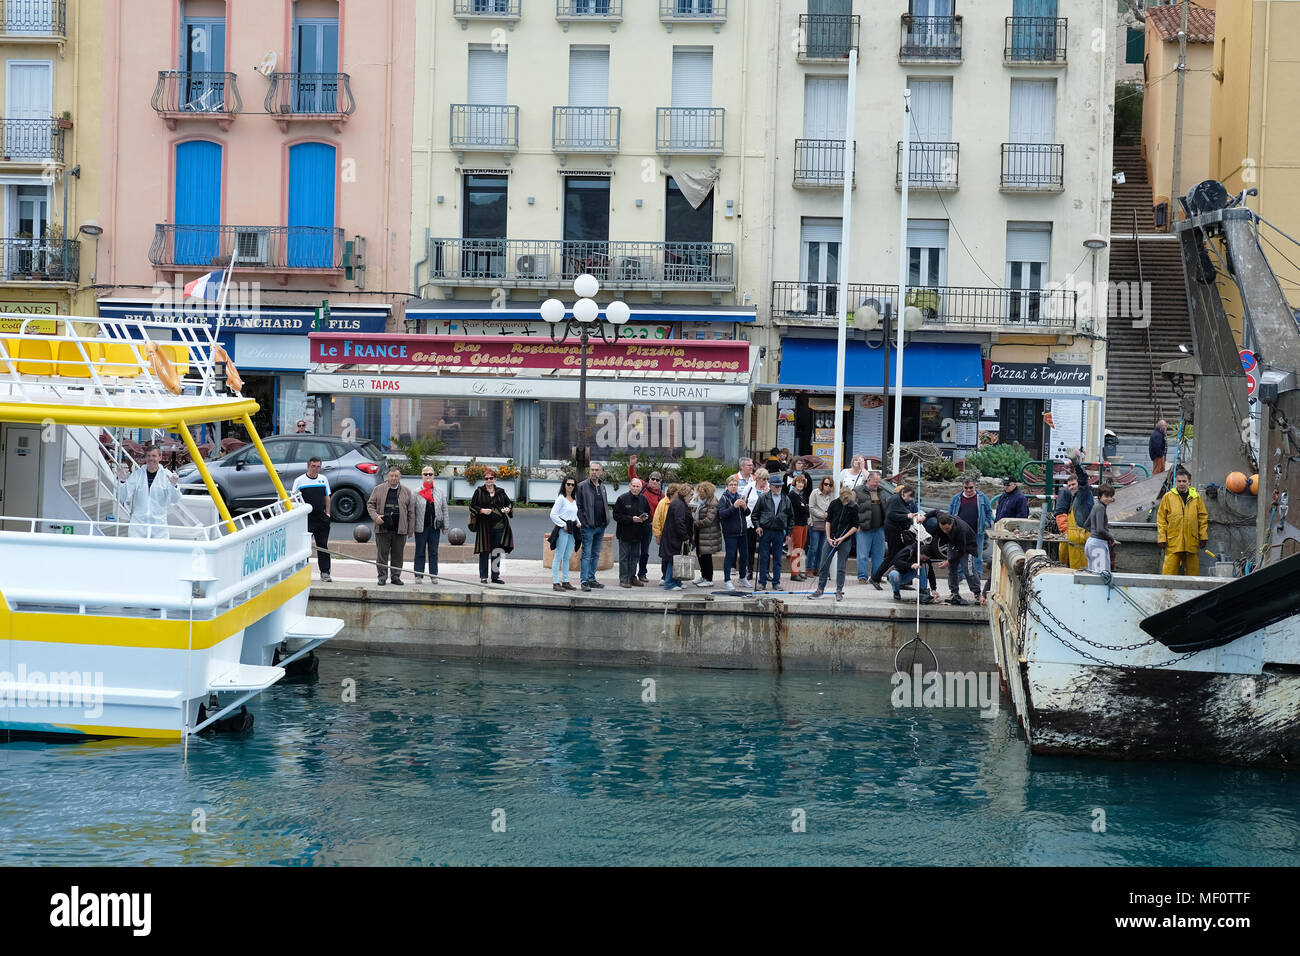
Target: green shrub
419,452
941,469
997,461
694,470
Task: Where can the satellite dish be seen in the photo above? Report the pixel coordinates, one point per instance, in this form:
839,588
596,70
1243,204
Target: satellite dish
267,65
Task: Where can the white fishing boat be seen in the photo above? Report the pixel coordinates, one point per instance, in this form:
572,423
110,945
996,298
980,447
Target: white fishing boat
115,624
1136,665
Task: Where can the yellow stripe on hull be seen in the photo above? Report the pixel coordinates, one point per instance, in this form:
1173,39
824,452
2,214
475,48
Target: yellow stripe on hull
110,416
144,733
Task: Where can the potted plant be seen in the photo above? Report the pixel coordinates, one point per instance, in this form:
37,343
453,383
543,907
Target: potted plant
53,251
470,476
65,121
419,452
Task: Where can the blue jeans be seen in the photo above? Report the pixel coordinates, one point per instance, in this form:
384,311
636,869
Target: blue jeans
897,579
563,555
647,536
427,541
670,582
591,541
828,554
732,552
769,557
871,546
816,541
965,565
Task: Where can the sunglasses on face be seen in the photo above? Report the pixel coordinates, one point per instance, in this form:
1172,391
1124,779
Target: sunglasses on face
428,474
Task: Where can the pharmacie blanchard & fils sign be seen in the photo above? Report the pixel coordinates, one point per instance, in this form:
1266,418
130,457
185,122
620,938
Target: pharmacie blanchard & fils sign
490,353
282,320
1037,377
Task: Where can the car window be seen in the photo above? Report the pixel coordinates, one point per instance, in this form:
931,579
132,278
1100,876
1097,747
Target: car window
281,452
371,450
325,451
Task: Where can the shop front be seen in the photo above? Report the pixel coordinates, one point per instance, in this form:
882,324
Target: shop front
1044,402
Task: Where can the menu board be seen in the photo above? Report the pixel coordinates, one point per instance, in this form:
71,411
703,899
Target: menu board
868,425
966,416
1067,427
785,423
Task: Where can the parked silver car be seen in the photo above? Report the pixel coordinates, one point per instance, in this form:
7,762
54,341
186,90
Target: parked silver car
353,469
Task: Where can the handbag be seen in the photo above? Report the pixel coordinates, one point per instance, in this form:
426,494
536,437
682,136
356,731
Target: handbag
685,565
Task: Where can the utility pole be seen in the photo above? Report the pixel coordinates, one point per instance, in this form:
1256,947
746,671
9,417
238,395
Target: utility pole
1175,189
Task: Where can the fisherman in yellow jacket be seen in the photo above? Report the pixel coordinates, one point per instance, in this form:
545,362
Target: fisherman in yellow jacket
1182,526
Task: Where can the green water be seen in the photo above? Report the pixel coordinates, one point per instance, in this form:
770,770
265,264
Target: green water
581,770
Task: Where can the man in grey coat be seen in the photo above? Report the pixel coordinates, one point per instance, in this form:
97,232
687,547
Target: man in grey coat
392,508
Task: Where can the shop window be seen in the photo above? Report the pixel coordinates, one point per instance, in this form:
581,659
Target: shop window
667,431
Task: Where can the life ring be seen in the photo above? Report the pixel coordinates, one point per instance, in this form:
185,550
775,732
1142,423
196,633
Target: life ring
233,378
163,367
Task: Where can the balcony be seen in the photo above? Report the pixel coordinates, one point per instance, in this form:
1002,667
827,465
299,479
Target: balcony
930,40
32,142
280,250
933,166
204,96
34,21
41,260
943,307
693,11
589,11
683,130
476,126
466,11
320,97
586,129
554,264
1035,41
827,36
820,163
1033,167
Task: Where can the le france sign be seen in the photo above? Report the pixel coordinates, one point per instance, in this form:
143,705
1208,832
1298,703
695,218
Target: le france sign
497,353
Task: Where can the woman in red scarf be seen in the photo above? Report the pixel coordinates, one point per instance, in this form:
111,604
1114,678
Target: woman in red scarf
430,521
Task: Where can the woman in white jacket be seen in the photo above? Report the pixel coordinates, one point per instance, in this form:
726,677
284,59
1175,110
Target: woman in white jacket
564,515
149,495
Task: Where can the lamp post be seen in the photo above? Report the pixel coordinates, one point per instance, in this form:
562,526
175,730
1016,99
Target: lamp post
872,315
585,323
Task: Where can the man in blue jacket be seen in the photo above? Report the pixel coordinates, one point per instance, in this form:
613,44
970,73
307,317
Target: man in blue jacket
972,506
1012,503
1157,447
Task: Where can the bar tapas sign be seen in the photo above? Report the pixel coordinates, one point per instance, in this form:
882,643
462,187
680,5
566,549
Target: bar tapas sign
497,353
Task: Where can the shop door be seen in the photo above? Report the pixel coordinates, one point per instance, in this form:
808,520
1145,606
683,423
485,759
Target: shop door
20,492
1021,420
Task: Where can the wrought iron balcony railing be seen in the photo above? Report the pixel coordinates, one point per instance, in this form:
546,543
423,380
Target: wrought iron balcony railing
943,307
33,18
827,36
482,126
566,10
1035,40
1033,166
549,264
32,141
690,129
933,165
255,248
930,39
699,11
485,10
310,94
820,162
586,129
199,95
41,260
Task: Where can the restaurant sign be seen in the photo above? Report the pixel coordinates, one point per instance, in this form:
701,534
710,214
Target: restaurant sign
1010,378
492,353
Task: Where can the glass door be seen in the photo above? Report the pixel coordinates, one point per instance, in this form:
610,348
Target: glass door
821,267
203,64
316,65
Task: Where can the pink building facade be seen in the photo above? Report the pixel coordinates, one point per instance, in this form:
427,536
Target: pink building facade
271,138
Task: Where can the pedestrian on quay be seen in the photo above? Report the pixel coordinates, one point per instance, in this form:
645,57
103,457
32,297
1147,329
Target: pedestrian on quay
653,495
798,467
430,522
798,494
962,550
898,520
1100,540
855,475
761,486
1182,526
731,520
1157,447
677,533
489,519
745,477
819,503
841,526
593,517
631,515
564,515
972,506
660,519
1012,503
773,520
392,509
315,490
871,530
912,563
1061,514
773,463
708,531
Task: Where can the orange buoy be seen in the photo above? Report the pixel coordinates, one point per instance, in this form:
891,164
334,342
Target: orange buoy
1236,483
233,378
163,367
1254,484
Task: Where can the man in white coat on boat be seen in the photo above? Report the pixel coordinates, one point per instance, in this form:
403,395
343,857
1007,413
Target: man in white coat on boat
149,496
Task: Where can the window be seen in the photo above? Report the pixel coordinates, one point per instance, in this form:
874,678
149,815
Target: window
316,63
1134,45
311,206
820,268
927,250
486,121
683,222
586,208
1029,246
663,430
483,249
325,451
197,210
203,55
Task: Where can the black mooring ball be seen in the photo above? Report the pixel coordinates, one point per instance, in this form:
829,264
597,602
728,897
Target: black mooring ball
456,536
361,533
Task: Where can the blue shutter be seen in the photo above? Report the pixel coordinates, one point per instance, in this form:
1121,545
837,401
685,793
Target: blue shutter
311,206
198,203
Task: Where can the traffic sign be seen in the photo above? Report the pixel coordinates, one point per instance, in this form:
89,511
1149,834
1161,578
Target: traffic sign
1251,384
1248,360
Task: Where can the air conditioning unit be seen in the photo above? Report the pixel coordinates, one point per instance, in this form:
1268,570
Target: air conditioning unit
533,266
252,247
635,268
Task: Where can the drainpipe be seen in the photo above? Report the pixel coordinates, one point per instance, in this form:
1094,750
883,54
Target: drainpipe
415,279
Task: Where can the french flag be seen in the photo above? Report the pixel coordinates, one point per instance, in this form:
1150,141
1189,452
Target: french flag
205,287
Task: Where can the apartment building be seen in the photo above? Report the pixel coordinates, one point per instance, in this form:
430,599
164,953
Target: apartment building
48,171
269,138
1011,105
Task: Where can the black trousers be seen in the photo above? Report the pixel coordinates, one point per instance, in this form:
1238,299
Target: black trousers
321,534
893,545
748,553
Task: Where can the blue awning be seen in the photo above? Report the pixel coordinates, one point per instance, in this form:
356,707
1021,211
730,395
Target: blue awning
928,367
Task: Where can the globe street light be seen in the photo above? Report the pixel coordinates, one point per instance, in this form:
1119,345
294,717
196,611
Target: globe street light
585,322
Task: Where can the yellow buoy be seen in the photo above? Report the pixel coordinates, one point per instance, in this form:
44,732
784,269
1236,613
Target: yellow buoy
1254,484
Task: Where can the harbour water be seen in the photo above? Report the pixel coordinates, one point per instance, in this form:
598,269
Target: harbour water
580,767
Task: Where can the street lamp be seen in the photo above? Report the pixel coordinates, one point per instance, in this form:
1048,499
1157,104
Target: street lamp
585,323
870,315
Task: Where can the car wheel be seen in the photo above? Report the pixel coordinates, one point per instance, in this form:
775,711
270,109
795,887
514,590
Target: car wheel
347,505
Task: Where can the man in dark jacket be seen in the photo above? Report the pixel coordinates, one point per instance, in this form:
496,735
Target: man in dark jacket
907,567
1013,503
962,553
1157,447
774,521
593,518
898,519
871,529
631,514
653,495
677,534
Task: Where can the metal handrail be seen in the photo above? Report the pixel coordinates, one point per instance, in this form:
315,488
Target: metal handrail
197,93
1035,40
484,126
211,532
310,94
21,18
625,264
690,129
577,129
50,260
308,248
508,9
595,9
707,10
930,38
929,165
828,36
941,306
32,140
820,162
1033,165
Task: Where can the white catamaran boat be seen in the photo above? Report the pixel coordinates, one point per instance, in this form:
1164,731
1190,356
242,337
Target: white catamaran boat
110,625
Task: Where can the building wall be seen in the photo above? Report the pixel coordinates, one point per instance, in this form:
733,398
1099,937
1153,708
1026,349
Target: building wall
1159,110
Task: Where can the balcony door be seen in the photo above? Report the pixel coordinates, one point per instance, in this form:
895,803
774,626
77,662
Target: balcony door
588,120
28,220
825,122
311,206
316,63
483,228
29,110
1033,28
1029,249
586,226
1032,132
35,17
691,125
931,163
830,31
197,212
203,54
486,122
820,266
931,31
